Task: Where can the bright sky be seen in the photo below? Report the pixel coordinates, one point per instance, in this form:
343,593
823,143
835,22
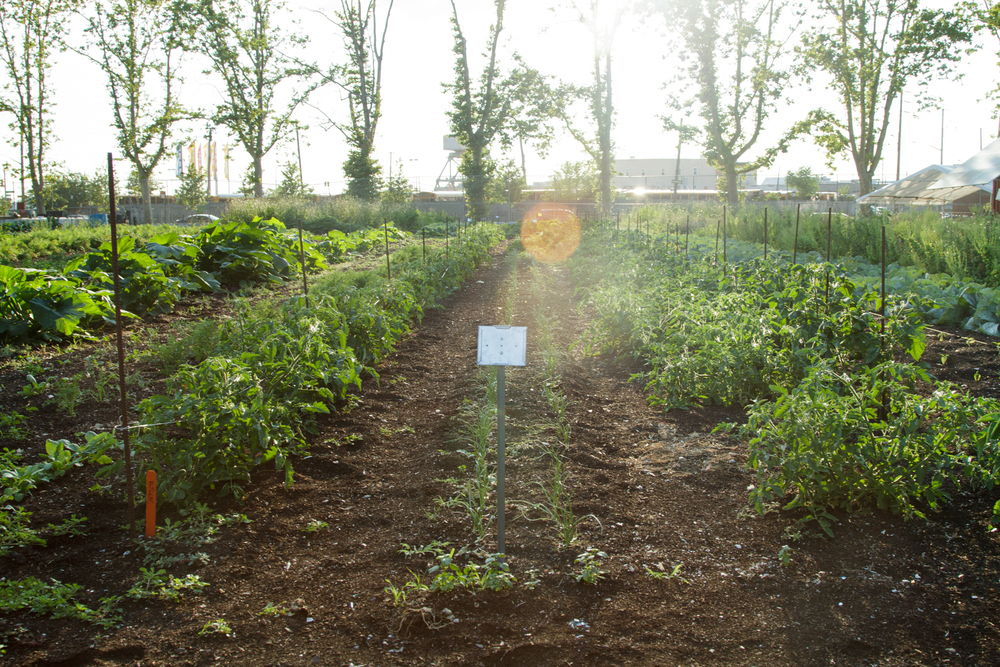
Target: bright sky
419,58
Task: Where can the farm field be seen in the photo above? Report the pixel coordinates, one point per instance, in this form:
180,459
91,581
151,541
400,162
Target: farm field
670,563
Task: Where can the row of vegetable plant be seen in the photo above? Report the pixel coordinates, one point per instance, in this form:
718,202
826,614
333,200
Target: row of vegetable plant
835,420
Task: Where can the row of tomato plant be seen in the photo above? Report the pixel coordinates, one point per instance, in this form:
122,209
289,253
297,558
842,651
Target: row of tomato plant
835,421
253,393
48,305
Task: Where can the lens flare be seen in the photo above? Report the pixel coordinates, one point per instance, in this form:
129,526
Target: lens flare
550,233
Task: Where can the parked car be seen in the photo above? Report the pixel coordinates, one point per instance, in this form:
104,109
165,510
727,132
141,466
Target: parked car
197,219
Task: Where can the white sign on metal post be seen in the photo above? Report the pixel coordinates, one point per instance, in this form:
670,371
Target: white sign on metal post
501,346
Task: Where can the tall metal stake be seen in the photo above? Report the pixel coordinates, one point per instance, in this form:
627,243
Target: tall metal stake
795,244
501,443
765,234
129,482
388,268
302,259
829,226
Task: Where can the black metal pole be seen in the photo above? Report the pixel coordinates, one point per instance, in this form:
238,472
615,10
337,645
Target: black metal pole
388,268
302,258
113,214
423,236
765,233
795,243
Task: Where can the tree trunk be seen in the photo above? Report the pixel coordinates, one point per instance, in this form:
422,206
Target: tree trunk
475,188
258,177
732,186
147,204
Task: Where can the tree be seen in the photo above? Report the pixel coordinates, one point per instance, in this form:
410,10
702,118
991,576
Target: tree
134,188
803,181
598,94
361,80
135,43
31,34
984,16
576,181
291,182
398,190
250,53
191,194
738,77
506,185
75,189
536,108
477,116
872,50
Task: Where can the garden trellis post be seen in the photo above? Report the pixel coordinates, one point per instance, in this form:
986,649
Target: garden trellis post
501,346
121,345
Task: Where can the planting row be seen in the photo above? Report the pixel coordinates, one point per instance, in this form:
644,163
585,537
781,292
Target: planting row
836,421
48,305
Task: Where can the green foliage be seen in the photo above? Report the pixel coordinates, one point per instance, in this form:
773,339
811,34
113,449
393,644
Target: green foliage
847,441
251,406
55,600
803,181
663,575
16,531
591,570
216,627
192,192
576,181
315,525
189,343
160,585
180,542
397,190
74,189
255,251
60,457
448,573
291,184
38,305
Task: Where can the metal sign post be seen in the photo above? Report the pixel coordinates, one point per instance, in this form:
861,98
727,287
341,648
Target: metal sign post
501,346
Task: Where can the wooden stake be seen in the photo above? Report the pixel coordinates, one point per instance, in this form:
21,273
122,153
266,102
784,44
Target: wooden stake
150,503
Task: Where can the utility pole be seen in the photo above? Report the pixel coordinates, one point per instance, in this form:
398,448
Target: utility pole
942,136
677,167
298,148
899,135
208,171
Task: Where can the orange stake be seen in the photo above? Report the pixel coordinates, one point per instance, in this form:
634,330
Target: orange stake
150,503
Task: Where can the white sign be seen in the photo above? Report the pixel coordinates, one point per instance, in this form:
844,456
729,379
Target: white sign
502,346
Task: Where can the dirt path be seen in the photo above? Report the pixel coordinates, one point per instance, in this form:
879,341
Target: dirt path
666,493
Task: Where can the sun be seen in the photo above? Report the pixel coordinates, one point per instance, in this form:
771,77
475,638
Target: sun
550,233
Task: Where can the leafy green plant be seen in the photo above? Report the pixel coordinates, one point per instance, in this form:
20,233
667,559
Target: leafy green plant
155,583
447,573
14,425
825,443
315,525
664,575
218,626
15,529
273,609
591,570
66,393
55,599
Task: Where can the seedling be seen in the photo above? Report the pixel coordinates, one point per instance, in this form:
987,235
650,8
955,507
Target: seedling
216,627
275,610
315,525
663,574
590,566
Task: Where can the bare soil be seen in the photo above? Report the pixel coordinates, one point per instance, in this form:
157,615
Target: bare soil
665,489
